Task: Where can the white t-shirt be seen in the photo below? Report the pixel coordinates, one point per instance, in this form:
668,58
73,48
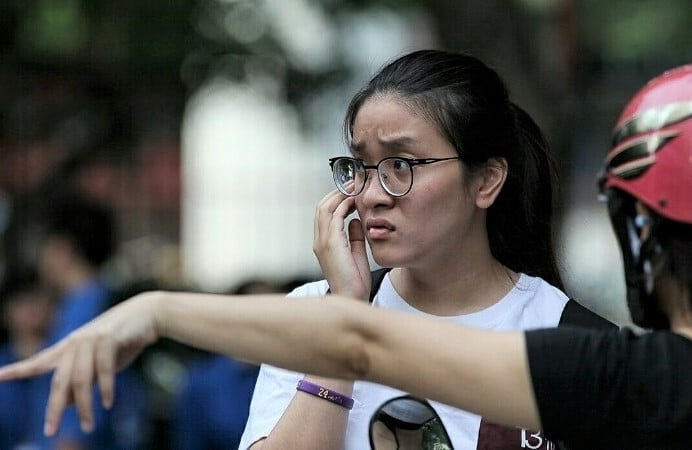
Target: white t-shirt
532,303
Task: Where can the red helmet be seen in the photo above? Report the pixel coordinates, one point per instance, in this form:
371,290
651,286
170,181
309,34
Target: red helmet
651,154
650,160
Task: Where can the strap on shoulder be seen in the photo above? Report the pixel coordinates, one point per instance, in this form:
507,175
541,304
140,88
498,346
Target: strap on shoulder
576,314
376,277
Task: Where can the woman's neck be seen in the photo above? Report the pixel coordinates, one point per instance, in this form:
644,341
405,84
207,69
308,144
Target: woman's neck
447,292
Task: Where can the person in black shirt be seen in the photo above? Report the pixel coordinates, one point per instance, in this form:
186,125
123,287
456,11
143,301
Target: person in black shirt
627,389
620,389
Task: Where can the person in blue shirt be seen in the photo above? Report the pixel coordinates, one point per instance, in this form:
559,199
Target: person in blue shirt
211,410
78,237
26,316
212,406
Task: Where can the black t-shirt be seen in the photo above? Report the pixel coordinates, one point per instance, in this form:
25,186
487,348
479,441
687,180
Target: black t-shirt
613,390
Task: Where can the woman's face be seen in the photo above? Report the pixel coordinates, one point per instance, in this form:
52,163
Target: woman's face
435,220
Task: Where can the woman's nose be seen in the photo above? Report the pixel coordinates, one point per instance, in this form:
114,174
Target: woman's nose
373,192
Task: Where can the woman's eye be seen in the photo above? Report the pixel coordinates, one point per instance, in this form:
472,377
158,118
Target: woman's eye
400,164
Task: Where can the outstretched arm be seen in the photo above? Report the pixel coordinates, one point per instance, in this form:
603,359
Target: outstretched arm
481,371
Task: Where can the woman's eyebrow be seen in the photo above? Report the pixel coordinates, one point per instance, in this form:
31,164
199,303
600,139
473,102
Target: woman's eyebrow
394,143
356,148
397,142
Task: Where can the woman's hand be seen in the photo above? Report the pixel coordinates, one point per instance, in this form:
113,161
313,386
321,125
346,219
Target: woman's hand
342,256
92,353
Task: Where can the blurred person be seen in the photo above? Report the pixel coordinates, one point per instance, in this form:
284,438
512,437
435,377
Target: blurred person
26,317
211,408
452,183
78,236
592,389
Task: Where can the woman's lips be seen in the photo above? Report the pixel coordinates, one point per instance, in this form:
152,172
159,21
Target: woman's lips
378,228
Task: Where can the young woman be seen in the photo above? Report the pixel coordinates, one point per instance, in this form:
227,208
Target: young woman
452,185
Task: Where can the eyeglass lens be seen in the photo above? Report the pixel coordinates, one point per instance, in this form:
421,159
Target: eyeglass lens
394,173
346,171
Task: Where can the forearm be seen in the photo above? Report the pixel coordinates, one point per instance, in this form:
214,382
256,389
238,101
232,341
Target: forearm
293,334
310,422
480,371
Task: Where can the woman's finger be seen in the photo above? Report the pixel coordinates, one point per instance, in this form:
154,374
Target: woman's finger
82,384
40,363
60,395
343,209
323,217
318,214
356,237
105,370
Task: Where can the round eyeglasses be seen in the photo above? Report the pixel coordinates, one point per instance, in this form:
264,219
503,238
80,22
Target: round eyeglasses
395,173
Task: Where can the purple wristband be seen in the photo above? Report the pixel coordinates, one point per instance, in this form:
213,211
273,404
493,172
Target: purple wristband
326,394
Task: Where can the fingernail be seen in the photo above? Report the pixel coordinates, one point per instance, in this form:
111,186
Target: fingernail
48,430
86,426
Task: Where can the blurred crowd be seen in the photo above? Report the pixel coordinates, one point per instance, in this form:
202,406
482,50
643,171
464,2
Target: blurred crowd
89,216
173,397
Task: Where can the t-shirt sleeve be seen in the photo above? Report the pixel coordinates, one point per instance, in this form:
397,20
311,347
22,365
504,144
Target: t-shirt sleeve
274,391
611,387
275,387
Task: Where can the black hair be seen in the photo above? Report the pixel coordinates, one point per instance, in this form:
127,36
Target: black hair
89,225
470,105
15,282
18,281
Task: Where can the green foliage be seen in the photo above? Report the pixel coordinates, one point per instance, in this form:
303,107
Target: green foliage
123,37
631,30
53,29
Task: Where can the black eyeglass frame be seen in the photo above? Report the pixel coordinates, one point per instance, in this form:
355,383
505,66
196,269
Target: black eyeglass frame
412,162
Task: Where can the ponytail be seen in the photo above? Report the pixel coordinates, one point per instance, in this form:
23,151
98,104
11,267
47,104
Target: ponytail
520,222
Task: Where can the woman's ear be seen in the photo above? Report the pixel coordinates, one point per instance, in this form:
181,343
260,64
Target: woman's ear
491,181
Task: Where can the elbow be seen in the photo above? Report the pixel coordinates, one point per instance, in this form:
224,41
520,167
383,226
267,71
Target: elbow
358,352
357,341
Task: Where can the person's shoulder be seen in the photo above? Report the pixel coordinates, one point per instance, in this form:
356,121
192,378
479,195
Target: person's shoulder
541,287
577,314
542,299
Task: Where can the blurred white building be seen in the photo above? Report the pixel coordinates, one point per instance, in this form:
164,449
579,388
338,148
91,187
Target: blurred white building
251,180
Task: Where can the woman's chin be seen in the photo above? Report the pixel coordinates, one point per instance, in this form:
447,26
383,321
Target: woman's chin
383,259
